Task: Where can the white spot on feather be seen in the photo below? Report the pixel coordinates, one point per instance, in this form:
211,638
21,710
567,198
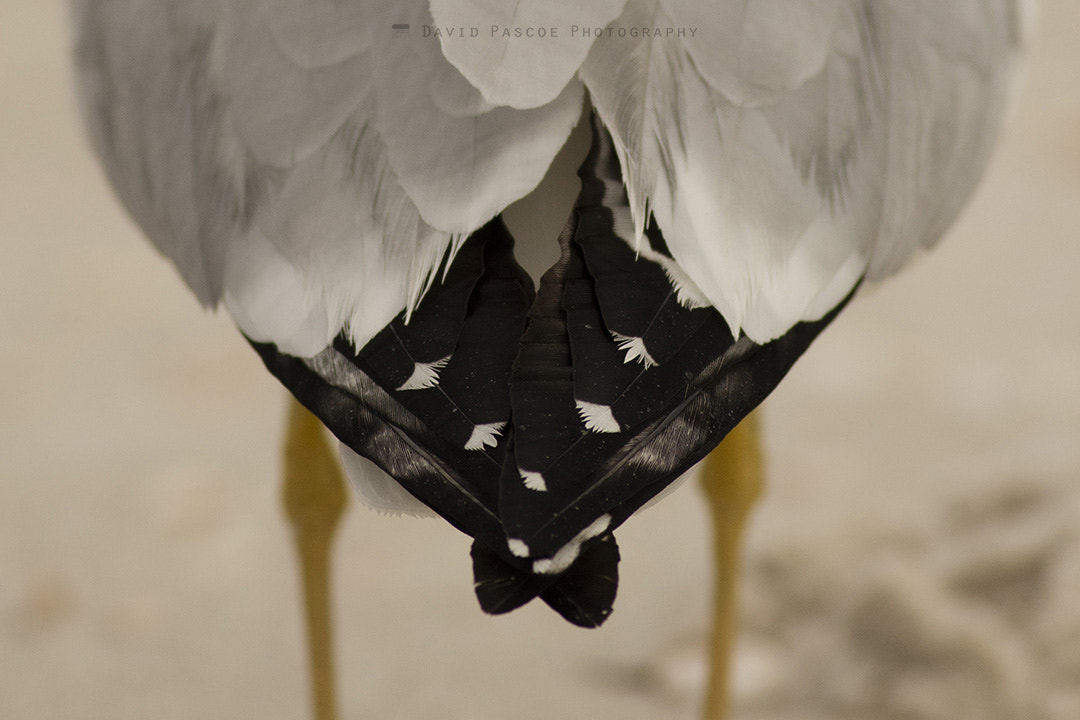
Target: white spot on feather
484,436
569,552
597,418
425,375
687,293
635,349
518,547
533,480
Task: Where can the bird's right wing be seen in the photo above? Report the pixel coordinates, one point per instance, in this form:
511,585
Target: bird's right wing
789,148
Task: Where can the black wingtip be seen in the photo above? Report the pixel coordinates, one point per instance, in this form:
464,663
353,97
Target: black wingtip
584,594
499,586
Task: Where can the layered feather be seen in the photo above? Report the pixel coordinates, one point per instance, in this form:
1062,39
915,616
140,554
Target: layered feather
524,53
299,159
787,149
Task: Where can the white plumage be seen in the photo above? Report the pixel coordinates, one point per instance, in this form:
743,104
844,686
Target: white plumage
316,164
305,161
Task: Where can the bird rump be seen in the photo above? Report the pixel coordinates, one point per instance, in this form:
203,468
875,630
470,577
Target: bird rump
591,395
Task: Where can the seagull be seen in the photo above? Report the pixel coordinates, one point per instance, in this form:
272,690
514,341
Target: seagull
377,192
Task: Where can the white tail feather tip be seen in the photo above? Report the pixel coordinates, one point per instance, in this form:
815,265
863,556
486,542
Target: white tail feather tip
518,547
533,481
569,552
597,418
635,349
424,375
486,435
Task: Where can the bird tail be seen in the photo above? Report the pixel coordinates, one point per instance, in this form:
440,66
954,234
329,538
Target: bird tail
583,594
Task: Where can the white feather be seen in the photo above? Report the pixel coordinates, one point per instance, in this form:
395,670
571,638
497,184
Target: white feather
597,418
567,554
485,435
319,33
687,292
300,159
424,375
635,349
461,172
533,481
268,299
302,133
827,139
377,490
282,104
522,54
753,51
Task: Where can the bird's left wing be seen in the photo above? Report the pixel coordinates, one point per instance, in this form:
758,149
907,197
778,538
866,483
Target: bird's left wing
315,166
310,162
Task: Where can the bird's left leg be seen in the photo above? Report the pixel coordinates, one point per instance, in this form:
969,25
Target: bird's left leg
732,478
314,496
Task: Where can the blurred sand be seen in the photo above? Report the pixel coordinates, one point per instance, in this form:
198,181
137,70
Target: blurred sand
917,555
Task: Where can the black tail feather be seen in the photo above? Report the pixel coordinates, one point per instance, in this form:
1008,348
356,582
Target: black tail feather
584,594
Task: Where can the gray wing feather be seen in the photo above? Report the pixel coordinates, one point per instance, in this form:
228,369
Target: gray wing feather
297,159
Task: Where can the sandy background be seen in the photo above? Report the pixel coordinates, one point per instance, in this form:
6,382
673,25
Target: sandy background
917,554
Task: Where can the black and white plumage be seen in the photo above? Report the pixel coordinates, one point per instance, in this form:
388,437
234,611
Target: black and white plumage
337,183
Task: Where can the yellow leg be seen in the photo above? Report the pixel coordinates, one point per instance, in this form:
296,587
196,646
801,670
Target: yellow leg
314,497
732,478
